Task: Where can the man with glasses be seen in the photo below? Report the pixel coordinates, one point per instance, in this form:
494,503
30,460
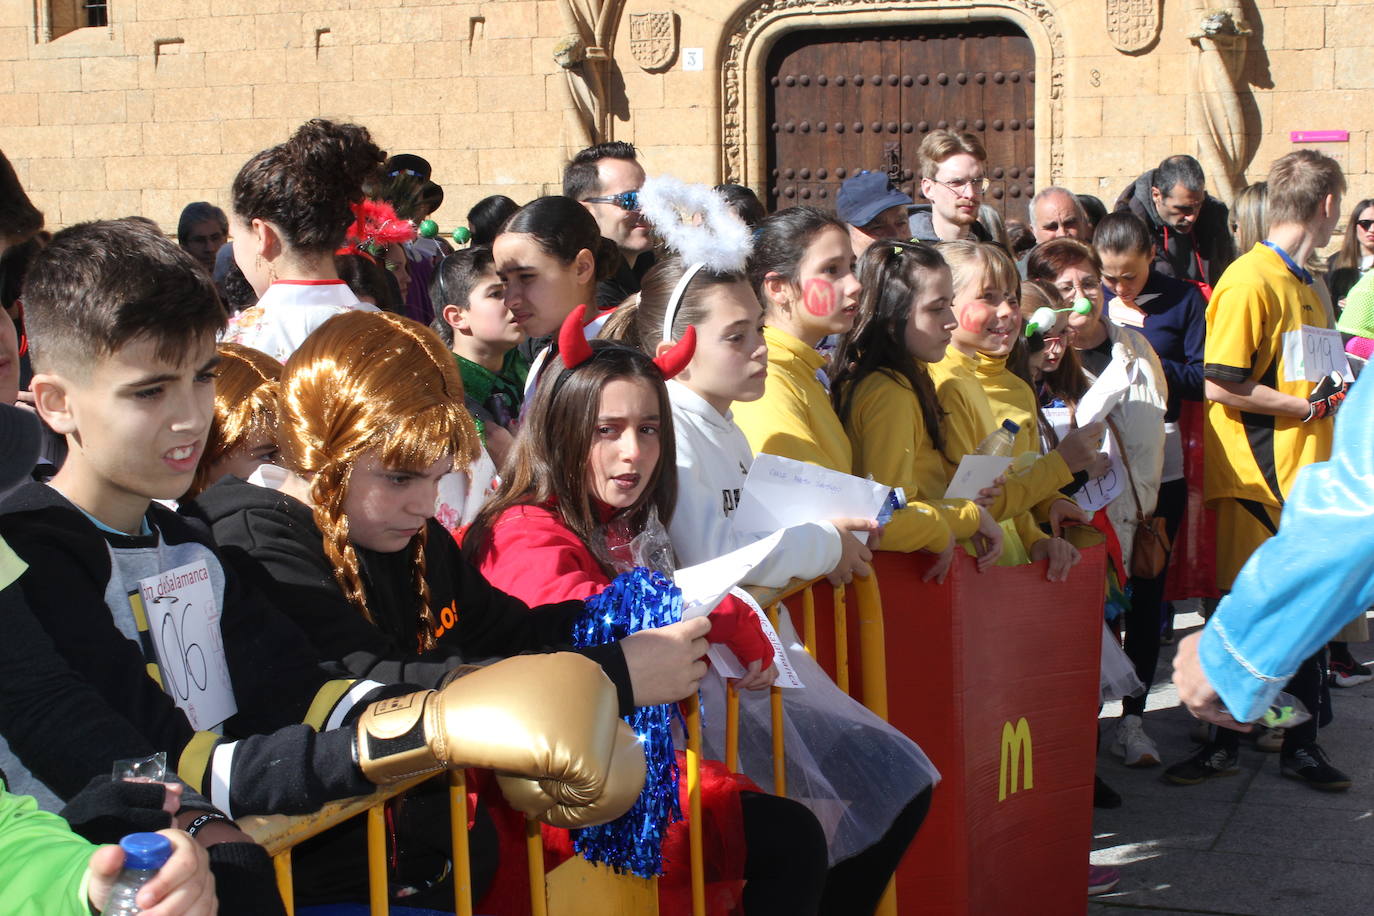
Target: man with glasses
953,179
606,178
1191,228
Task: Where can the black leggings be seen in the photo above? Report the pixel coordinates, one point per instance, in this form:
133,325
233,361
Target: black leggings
785,866
1145,617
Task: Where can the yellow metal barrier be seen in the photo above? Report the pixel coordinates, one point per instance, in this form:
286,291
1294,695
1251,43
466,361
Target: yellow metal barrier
613,893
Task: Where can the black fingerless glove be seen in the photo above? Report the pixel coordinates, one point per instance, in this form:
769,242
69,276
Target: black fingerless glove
107,810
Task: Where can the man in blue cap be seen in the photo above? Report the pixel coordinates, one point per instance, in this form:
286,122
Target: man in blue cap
873,208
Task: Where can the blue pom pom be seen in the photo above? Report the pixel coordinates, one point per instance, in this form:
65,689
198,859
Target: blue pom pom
637,600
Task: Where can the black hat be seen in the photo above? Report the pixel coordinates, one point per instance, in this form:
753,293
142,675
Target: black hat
407,164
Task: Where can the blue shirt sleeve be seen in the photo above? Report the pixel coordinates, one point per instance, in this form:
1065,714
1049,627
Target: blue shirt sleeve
1307,581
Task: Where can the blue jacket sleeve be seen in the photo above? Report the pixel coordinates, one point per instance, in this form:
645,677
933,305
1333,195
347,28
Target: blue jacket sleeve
1185,379
1307,581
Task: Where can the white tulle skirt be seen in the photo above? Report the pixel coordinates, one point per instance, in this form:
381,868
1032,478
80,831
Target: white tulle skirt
853,770
1117,678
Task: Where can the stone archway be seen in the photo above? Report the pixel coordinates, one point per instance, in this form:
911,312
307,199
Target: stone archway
752,31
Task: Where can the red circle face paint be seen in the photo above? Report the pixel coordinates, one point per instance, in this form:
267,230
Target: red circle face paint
975,316
819,297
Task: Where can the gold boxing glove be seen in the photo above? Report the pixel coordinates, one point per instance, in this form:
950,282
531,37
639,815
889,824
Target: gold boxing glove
624,782
550,718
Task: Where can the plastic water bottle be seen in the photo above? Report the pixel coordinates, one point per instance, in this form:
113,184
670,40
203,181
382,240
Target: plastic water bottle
1001,441
144,854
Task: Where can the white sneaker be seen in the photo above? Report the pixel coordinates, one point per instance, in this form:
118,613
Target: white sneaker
1132,745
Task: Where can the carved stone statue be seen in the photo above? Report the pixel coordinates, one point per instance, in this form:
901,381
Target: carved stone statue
1222,40
582,54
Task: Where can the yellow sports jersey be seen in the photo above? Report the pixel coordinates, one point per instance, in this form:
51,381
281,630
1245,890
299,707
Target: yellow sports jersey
1257,456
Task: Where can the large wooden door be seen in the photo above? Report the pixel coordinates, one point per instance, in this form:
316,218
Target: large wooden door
841,101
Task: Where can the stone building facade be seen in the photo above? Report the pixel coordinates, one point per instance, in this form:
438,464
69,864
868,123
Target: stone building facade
139,106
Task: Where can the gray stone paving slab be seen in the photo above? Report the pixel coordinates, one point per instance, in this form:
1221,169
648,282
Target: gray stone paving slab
1253,844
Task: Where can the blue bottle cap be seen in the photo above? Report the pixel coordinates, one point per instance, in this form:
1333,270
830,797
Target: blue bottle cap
1011,426
145,851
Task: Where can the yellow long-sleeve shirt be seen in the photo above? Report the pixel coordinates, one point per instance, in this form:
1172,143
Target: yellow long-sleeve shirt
891,444
794,419
969,419
1012,399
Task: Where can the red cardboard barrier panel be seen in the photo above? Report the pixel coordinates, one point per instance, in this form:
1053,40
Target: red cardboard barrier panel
995,675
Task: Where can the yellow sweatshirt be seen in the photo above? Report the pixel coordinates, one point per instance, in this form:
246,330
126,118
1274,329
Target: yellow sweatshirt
968,421
794,419
1012,399
888,433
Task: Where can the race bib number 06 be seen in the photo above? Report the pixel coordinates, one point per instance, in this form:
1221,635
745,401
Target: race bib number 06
183,621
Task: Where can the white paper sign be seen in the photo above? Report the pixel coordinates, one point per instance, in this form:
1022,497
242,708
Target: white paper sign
1098,491
693,59
1122,314
728,665
183,621
705,584
975,472
1105,393
779,493
1312,354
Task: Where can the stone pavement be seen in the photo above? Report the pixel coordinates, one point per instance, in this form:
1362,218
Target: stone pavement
1253,843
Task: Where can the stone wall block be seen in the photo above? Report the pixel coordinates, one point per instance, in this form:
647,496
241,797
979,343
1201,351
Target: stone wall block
106,73
487,130
138,172
44,141
510,93
82,174
278,100
78,206
47,75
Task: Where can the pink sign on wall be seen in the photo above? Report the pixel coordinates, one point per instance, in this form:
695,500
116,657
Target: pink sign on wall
1319,136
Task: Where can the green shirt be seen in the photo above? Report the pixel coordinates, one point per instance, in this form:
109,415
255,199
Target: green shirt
494,397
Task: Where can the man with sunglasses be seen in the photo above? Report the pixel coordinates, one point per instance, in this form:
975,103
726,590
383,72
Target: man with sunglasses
606,178
953,179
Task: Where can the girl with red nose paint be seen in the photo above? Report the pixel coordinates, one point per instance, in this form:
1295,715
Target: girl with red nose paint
802,269
978,393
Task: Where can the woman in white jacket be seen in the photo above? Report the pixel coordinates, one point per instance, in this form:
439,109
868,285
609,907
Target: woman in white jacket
1137,422
868,783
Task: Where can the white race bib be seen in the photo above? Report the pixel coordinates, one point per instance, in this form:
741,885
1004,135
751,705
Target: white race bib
183,621
1311,354
1098,491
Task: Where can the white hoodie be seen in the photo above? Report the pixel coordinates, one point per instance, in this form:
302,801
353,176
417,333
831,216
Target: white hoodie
713,458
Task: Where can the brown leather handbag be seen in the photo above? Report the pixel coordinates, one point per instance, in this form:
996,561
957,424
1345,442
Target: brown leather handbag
1150,545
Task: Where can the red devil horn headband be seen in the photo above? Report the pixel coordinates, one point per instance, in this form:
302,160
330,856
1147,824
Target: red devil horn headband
575,349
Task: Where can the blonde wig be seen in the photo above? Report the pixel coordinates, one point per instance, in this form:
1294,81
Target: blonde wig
365,381
245,406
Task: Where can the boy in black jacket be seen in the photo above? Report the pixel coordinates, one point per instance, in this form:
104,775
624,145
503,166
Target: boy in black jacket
122,328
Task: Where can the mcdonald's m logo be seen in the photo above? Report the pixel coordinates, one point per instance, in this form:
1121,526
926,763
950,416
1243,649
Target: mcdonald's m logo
1016,746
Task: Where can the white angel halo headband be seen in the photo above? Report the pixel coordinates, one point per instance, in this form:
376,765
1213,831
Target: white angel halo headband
675,300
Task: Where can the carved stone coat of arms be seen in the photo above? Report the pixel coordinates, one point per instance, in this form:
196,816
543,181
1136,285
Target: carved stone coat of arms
653,39
1133,25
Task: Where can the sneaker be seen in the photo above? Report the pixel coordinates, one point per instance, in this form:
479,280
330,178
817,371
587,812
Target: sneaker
1102,880
1349,673
1209,761
1132,745
1269,740
1309,764
1104,796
